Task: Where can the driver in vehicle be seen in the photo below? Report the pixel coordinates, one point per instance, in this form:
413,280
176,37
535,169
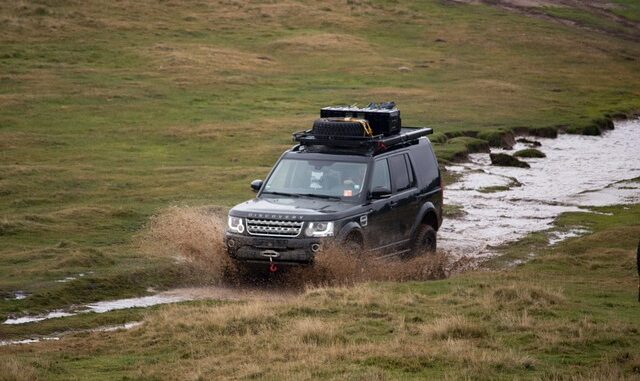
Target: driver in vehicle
352,181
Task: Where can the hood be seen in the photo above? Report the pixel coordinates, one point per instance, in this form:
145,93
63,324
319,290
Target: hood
286,208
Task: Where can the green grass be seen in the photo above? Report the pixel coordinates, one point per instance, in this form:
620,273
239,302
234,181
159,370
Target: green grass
629,9
530,152
588,19
112,112
570,312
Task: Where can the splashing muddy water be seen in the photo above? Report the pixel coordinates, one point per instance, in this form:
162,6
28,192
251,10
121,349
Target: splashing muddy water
503,204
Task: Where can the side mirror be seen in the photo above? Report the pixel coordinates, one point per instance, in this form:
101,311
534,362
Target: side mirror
256,185
380,192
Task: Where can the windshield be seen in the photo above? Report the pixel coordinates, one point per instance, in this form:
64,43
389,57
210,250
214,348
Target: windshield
317,178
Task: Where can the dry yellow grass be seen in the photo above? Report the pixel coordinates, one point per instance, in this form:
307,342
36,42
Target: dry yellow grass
320,43
280,344
453,328
13,369
209,64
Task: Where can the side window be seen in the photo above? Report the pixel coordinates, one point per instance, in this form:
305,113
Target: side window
412,177
381,176
398,166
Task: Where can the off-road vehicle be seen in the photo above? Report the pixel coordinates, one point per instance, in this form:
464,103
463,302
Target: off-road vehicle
357,179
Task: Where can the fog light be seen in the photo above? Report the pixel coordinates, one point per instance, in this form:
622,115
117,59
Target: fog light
315,247
231,243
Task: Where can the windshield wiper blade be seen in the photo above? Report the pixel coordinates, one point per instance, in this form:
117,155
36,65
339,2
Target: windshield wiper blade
283,194
326,196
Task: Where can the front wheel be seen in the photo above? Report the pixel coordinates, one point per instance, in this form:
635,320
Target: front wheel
425,240
352,247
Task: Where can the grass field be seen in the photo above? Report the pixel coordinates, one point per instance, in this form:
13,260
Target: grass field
110,112
569,313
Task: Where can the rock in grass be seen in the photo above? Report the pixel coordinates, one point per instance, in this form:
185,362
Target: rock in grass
544,132
504,160
533,143
529,152
498,138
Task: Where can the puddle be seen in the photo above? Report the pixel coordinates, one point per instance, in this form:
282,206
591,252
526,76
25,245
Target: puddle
578,172
145,301
31,319
17,295
108,328
172,296
105,306
556,237
66,279
27,341
111,328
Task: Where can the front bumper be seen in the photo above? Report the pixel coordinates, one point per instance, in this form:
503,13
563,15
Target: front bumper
257,249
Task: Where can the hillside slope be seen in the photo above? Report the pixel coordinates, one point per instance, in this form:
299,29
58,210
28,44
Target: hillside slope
113,111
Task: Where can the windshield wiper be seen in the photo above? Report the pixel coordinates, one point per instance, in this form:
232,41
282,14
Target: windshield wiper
282,194
326,196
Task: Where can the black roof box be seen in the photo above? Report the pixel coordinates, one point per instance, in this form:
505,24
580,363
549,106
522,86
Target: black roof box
384,118
373,144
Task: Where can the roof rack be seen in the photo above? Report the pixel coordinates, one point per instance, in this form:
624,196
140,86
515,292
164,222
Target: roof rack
376,143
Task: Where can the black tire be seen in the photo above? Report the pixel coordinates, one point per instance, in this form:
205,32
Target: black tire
336,127
353,246
425,241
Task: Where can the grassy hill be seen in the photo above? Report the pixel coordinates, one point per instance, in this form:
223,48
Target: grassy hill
112,111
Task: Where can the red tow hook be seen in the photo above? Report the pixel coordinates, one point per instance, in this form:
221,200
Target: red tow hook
272,266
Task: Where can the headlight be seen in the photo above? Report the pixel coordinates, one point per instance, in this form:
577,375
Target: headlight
236,225
319,229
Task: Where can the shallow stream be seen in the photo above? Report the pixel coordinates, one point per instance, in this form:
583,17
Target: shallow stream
503,204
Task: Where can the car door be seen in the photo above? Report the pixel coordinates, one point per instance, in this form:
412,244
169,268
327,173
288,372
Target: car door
380,214
404,202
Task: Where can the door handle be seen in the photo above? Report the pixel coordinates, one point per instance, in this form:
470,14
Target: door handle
393,204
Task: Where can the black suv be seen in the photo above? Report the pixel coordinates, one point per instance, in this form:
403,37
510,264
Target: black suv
356,179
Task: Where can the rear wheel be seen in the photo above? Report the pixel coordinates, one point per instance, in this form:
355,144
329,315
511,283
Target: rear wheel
425,241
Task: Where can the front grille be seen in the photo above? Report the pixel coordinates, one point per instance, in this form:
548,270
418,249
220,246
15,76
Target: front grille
274,228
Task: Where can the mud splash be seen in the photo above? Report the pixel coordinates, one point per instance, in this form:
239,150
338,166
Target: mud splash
194,237
503,204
